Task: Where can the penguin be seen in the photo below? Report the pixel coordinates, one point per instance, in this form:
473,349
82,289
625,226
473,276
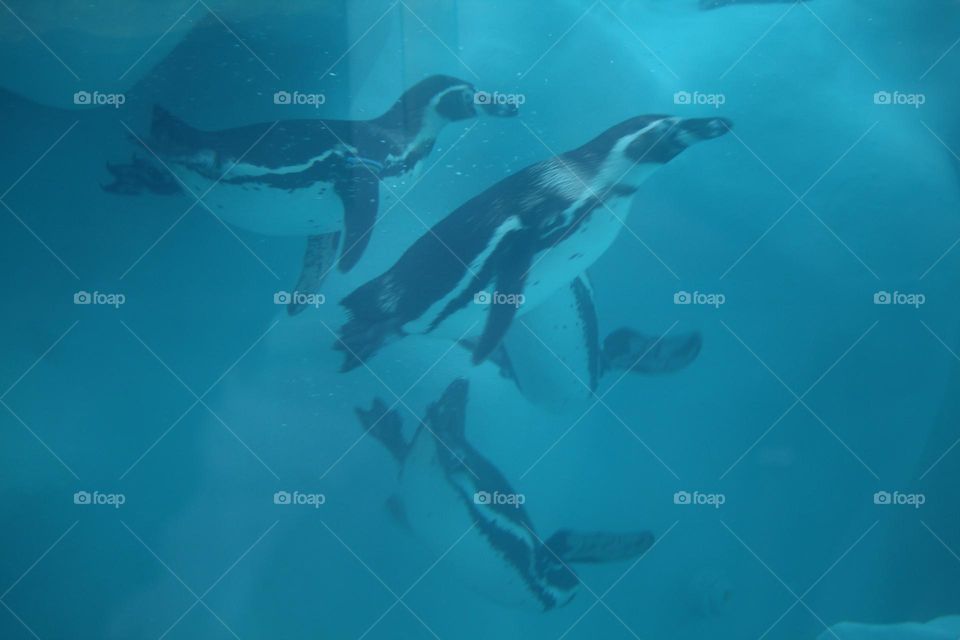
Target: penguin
556,359
508,249
310,177
448,491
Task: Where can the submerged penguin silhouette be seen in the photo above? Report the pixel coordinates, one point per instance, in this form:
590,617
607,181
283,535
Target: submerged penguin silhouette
513,246
307,177
450,494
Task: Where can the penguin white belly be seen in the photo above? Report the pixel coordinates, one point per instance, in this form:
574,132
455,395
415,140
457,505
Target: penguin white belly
553,353
272,211
557,266
438,517
314,209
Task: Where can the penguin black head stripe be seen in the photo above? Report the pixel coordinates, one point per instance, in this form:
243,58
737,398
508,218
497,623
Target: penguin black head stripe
450,98
655,139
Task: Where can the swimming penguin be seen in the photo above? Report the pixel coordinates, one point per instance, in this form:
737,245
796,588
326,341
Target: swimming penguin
308,177
508,249
448,491
555,357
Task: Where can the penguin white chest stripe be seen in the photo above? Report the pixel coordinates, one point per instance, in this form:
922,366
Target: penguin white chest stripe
467,285
246,169
507,530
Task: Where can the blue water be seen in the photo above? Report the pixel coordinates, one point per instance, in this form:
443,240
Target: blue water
198,399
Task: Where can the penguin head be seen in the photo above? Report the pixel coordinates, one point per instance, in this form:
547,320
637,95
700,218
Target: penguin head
439,99
660,139
460,100
653,139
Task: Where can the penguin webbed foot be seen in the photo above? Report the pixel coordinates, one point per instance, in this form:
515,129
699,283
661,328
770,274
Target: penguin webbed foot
599,546
627,349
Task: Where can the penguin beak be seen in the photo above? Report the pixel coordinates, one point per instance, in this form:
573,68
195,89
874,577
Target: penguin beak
695,130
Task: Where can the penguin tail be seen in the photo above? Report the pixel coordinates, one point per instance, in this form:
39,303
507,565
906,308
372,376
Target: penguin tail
598,546
369,326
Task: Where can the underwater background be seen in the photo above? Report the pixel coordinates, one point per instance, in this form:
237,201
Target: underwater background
819,424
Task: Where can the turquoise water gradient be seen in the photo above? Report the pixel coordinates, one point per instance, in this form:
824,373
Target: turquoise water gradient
198,398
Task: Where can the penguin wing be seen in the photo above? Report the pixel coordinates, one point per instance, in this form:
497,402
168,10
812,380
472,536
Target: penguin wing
317,262
597,547
512,261
359,190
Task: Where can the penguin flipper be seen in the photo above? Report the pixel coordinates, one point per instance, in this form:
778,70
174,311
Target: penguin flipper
627,349
386,426
317,261
359,190
514,265
598,546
